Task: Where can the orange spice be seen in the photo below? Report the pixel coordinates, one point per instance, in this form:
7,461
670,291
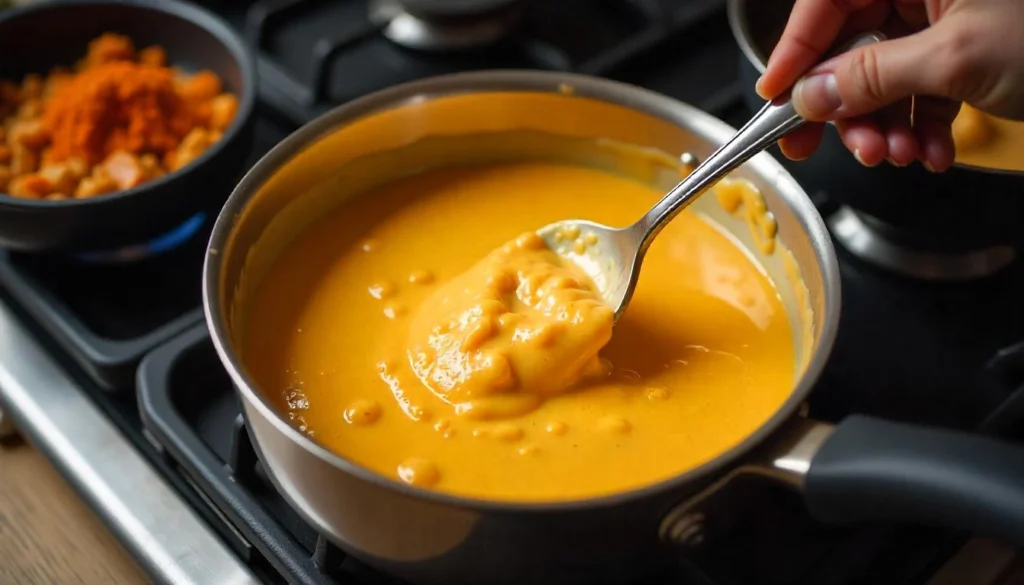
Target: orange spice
117,119
116,106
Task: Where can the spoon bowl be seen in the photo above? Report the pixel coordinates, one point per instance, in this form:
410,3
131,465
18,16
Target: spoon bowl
611,257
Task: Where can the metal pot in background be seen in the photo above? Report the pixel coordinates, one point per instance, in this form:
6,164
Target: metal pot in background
963,223
861,469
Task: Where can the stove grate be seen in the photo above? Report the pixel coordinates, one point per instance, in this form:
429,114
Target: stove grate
303,88
190,410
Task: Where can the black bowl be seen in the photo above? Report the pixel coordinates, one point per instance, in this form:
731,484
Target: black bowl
36,38
962,209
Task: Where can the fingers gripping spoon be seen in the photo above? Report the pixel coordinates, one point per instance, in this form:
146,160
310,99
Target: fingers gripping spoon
613,256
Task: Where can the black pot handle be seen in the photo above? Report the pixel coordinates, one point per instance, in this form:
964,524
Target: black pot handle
870,469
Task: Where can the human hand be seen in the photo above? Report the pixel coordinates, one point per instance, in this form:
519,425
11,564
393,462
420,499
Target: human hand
940,53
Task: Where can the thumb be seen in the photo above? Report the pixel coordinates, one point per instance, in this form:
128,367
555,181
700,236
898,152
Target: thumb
868,78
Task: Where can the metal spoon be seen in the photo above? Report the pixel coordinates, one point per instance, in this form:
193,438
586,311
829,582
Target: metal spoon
613,255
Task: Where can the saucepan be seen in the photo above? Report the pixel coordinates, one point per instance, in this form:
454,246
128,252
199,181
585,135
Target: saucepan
861,469
966,208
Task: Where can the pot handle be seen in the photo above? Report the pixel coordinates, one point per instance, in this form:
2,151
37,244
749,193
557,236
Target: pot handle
870,469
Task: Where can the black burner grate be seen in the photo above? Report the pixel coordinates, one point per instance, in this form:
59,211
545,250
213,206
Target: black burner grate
309,49
1005,371
192,415
188,409
106,315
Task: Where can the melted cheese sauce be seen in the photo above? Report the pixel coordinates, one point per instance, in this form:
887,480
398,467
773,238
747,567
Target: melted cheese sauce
701,359
742,197
986,141
521,325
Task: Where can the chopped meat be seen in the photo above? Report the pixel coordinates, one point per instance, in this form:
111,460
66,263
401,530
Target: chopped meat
151,166
31,108
5,177
192,146
97,184
153,56
222,111
23,160
58,78
202,86
109,47
61,175
31,134
77,166
125,169
29,186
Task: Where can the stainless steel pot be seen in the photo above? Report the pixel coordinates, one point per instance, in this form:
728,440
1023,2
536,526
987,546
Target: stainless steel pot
965,209
860,469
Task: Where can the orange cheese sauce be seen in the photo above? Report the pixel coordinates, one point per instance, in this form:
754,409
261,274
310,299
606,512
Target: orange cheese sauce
986,141
350,328
520,325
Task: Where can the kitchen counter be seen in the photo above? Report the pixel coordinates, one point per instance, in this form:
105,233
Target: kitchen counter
47,533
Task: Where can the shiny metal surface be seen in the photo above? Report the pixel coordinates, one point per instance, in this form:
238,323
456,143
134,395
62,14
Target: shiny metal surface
789,459
163,534
740,21
785,458
856,235
431,537
614,262
422,33
687,530
765,128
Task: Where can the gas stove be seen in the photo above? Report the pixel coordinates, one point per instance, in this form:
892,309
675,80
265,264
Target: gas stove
123,391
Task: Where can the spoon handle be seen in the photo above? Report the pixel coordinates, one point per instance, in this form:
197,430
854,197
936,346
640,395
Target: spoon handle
776,119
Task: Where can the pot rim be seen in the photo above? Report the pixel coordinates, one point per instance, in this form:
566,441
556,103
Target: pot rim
646,101
741,33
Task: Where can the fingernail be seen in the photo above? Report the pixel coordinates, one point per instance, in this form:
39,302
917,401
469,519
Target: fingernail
757,87
894,163
817,96
856,155
928,166
795,157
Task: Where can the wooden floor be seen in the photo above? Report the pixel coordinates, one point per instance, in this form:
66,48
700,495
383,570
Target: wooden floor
47,533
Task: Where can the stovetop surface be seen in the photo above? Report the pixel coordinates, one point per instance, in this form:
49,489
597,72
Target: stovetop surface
934,354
